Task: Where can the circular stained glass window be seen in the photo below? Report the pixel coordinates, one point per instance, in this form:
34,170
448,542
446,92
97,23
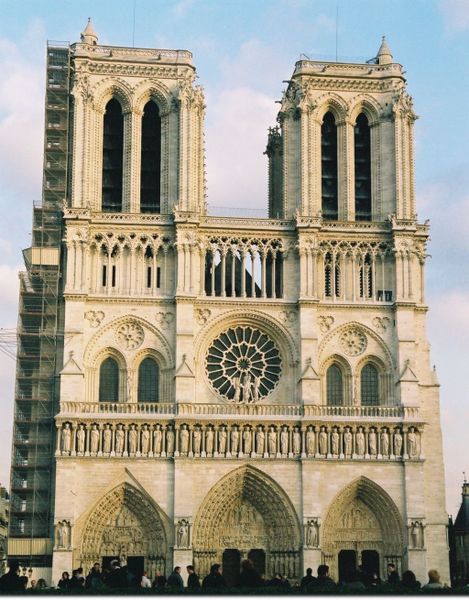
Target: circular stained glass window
243,365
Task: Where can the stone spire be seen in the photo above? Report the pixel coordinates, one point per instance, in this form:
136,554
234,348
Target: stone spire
89,35
384,53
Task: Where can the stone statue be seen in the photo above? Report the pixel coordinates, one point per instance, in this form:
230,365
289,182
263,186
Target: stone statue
94,439
119,439
66,438
196,440
157,438
184,440
81,439
222,440
247,391
272,441
384,442
183,534
348,438
132,440
397,443
360,442
169,441
310,439
372,442
255,388
234,440
412,443
416,535
145,439
107,439
247,441
62,535
237,389
296,441
284,440
323,441
335,438
209,441
311,534
260,441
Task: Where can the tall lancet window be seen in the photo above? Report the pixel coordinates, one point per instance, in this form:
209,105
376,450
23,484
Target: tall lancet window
113,157
329,168
151,159
109,381
148,381
362,169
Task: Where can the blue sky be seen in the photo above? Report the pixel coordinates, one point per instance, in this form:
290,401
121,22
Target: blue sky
243,50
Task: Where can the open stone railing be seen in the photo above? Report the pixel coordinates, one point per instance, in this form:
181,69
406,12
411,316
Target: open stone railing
173,410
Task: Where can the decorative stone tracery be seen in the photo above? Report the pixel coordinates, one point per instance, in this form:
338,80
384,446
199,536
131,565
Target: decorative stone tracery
268,519
362,517
125,523
243,364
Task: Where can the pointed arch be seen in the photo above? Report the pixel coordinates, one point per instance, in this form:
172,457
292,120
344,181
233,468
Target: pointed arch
333,103
269,521
125,521
362,516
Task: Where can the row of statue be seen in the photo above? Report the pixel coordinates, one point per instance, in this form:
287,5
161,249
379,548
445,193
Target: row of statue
236,440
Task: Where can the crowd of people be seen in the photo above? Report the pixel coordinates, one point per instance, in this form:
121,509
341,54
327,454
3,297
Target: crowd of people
120,577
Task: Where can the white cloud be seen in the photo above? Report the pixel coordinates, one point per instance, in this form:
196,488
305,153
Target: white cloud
236,136
448,326
181,8
456,14
21,119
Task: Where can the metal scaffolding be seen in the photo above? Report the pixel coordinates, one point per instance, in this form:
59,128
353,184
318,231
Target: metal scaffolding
40,331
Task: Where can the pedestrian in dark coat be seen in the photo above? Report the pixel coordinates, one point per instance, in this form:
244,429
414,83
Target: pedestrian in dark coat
249,577
175,580
193,581
11,581
214,580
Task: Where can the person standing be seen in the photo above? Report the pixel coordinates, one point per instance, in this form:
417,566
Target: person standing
175,580
11,581
214,580
145,582
193,581
393,575
307,580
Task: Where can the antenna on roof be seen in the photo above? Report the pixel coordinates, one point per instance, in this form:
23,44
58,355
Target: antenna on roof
337,32
133,27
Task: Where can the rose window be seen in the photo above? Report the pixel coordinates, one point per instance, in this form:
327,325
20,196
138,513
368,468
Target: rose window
353,342
243,365
130,335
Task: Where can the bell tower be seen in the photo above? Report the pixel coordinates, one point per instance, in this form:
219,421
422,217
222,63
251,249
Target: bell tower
138,129
347,141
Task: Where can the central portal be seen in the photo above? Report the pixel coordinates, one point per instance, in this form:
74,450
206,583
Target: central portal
247,515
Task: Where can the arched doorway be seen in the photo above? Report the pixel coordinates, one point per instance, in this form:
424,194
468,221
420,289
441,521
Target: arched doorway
248,512
125,524
362,527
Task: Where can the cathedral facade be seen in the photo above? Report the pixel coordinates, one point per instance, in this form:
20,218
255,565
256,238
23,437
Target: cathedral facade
227,387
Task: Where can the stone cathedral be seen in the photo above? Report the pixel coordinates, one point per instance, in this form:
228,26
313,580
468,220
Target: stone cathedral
200,389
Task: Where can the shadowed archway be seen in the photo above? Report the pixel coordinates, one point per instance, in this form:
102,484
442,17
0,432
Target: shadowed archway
362,518
125,523
248,510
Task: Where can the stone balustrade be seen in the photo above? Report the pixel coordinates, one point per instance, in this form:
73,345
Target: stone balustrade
78,437
234,411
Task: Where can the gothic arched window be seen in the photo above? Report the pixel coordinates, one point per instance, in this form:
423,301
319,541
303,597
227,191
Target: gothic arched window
362,169
335,386
151,159
109,381
369,385
329,187
113,157
148,381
